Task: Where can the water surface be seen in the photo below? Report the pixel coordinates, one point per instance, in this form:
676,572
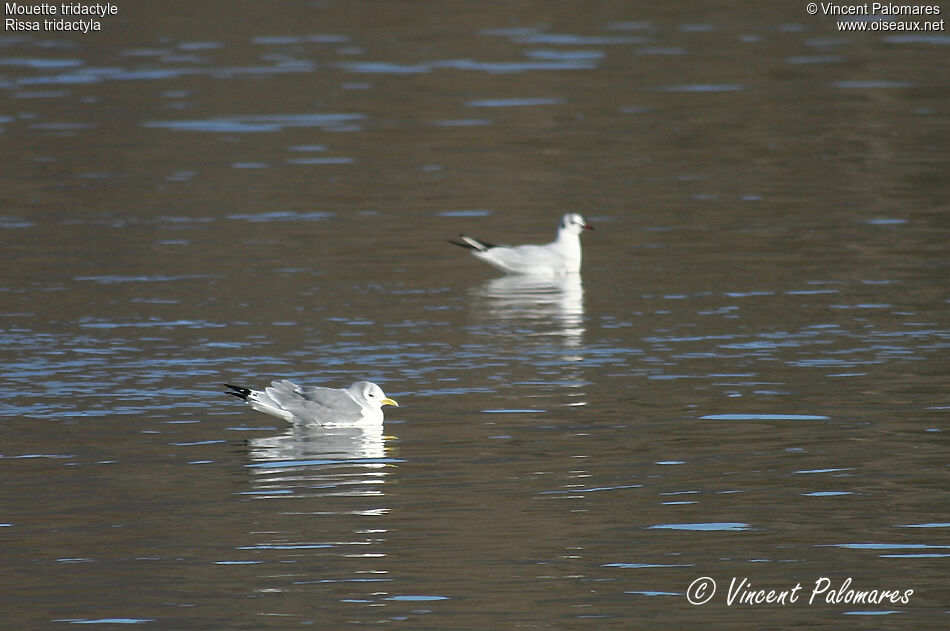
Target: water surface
749,379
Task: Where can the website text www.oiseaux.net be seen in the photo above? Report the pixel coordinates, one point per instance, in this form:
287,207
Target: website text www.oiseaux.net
880,16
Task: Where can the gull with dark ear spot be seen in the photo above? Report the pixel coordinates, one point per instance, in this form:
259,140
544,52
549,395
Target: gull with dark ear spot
359,405
561,256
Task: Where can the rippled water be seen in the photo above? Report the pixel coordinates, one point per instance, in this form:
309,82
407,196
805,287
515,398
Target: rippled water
748,381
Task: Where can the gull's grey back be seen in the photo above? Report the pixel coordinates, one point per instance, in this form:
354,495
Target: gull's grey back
325,405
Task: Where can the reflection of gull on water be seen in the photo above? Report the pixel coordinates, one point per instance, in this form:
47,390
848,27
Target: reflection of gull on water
304,461
539,321
300,444
546,305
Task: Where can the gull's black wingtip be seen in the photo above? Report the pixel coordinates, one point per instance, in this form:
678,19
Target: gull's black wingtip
470,243
461,244
238,391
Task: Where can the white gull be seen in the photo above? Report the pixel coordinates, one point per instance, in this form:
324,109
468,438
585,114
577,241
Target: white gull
359,404
561,256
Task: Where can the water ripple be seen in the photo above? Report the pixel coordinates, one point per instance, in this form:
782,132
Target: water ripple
260,123
732,526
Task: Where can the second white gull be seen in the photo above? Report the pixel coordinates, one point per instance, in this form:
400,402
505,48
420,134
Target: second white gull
561,256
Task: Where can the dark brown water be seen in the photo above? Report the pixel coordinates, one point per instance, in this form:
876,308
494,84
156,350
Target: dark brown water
749,381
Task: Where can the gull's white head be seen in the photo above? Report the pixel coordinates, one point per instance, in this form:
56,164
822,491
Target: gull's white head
572,223
371,393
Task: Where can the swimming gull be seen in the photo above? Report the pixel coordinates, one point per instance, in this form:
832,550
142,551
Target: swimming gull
561,256
359,404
